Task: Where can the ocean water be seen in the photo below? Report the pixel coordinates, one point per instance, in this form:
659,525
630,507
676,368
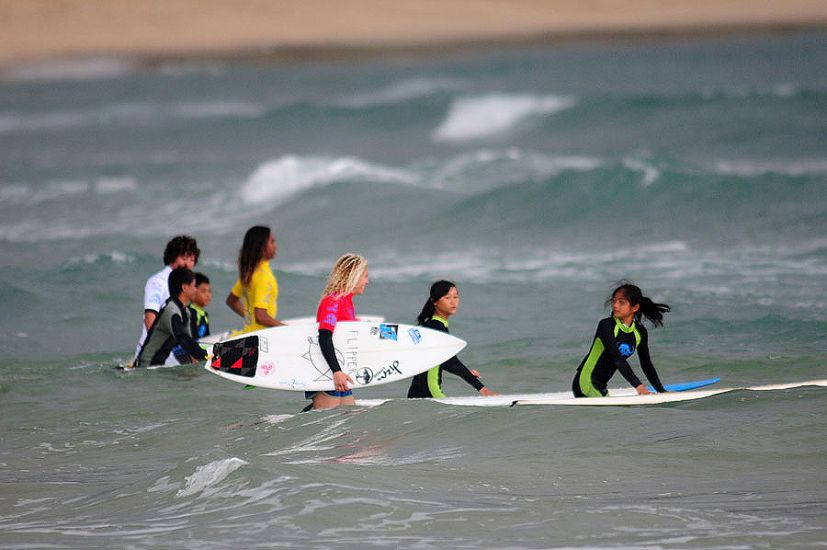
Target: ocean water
534,178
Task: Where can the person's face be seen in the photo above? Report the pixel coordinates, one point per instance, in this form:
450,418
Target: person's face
185,260
448,304
363,282
189,290
622,308
203,295
271,248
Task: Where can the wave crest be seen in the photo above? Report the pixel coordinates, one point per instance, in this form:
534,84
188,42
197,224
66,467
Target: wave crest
209,474
279,180
486,116
402,91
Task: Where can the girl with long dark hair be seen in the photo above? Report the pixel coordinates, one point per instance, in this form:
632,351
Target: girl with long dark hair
254,295
616,339
442,302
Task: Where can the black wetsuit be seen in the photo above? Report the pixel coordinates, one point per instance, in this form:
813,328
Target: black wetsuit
171,327
613,343
429,383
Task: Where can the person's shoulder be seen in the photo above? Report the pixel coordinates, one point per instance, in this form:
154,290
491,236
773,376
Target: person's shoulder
264,268
160,277
435,324
641,329
262,273
608,321
329,300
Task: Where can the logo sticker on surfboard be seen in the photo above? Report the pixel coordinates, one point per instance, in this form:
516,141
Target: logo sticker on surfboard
388,332
363,376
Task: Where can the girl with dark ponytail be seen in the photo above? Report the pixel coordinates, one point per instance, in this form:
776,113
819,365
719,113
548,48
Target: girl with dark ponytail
442,302
255,294
616,339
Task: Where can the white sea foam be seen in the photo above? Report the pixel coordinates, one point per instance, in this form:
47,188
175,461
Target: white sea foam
211,109
114,257
797,168
13,122
127,113
86,68
276,418
108,186
209,474
486,116
29,195
786,89
187,68
483,169
402,91
705,272
279,180
645,166
782,90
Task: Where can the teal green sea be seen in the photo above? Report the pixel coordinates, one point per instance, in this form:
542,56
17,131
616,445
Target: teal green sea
535,178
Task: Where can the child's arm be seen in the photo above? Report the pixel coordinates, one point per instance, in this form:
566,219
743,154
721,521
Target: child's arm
234,303
182,337
646,362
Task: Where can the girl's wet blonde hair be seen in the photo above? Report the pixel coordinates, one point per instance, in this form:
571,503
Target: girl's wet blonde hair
345,275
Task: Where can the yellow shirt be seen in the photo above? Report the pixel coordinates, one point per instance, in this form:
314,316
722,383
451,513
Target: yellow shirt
262,293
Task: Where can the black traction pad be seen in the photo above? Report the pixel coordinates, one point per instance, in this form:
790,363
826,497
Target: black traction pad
237,356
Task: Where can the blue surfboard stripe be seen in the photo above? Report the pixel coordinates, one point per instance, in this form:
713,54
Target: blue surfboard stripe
686,386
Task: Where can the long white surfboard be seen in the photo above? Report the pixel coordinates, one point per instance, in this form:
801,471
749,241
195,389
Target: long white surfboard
506,400
289,357
630,397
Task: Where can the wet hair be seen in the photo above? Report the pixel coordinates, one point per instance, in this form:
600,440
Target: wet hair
200,279
179,277
182,245
649,309
345,275
252,251
438,290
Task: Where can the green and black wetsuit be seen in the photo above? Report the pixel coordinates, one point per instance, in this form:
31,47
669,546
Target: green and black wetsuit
199,322
613,343
429,383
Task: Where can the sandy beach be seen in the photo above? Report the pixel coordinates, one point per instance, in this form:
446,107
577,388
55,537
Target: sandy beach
45,30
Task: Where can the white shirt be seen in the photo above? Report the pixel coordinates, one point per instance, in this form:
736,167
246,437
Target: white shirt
156,292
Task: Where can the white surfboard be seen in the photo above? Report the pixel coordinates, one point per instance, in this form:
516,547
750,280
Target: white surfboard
630,397
208,341
289,357
616,397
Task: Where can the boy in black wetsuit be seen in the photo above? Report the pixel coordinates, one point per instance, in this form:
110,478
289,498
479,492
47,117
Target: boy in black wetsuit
172,325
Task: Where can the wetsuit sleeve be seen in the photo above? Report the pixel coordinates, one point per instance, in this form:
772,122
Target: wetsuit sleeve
456,367
605,331
646,361
179,330
193,315
328,351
